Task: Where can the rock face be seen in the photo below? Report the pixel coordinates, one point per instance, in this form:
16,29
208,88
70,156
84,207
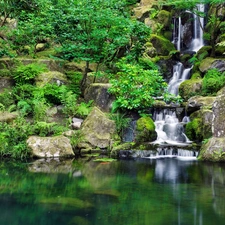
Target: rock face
50,147
214,149
98,130
99,93
51,77
8,117
210,63
5,82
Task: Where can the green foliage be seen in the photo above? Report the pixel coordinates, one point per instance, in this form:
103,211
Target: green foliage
213,81
122,122
76,138
25,74
13,139
134,87
44,129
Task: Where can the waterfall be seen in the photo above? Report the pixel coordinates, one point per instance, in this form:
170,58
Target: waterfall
169,130
177,33
197,41
179,75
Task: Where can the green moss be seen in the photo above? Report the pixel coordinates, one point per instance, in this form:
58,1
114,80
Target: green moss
164,17
163,45
145,130
196,75
190,88
5,73
206,64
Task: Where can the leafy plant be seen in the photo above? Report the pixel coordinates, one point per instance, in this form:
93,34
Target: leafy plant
122,122
213,81
25,74
134,87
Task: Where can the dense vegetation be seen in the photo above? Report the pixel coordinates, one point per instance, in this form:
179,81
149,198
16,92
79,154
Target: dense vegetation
103,33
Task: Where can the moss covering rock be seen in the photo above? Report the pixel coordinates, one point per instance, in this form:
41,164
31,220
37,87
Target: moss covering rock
163,45
189,88
200,127
145,130
98,130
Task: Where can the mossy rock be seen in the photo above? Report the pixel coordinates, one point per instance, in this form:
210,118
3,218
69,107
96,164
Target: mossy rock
164,17
220,51
200,127
204,52
206,64
145,130
196,76
163,45
5,73
190,88
213,150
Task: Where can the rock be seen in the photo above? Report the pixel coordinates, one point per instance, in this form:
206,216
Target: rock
213,150
8,117
40,47
163,45
76,123
164,18
218,114
145,130
200,127
210,63
50,147
189,88
99,93
51,77
197,102
6,82
79,67
98,130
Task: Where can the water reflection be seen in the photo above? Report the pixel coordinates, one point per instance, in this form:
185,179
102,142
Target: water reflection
126,192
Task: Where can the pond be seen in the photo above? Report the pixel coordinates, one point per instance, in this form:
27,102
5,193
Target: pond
124,192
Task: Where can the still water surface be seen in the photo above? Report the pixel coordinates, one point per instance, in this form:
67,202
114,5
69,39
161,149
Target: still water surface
124,192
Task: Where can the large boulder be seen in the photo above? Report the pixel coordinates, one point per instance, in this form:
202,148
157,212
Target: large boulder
98,130
145,130
200,127
98,92
8,117
214,149
198,102
163,45
51,77
210,63
191,87
50,147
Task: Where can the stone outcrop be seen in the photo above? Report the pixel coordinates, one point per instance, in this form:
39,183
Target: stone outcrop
98,130
6,82
210,63
51,77
98,92
214,149
8,117
145,130
50,147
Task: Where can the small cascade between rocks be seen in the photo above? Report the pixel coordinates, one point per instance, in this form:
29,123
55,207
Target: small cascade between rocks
169,128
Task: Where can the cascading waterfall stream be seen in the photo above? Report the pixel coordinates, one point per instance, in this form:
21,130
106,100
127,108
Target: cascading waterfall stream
169,130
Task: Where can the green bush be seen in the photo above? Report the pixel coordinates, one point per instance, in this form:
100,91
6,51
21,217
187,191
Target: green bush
212,82
25,74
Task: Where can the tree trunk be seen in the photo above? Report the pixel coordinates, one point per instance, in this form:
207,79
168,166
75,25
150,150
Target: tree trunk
84,79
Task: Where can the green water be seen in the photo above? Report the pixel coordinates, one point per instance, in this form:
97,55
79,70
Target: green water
125,192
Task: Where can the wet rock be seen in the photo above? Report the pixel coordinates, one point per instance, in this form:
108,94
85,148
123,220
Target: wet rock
50,147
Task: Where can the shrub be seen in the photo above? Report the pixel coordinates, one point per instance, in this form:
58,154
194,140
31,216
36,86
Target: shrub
213,81
25,74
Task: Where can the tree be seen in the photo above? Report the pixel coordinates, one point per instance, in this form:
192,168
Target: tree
95,31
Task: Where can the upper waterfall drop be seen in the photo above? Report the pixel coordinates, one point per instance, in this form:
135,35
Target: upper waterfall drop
198,41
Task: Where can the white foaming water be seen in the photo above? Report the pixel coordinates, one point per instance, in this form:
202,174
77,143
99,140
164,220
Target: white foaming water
198,41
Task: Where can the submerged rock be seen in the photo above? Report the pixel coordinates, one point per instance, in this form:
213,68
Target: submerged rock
50,147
